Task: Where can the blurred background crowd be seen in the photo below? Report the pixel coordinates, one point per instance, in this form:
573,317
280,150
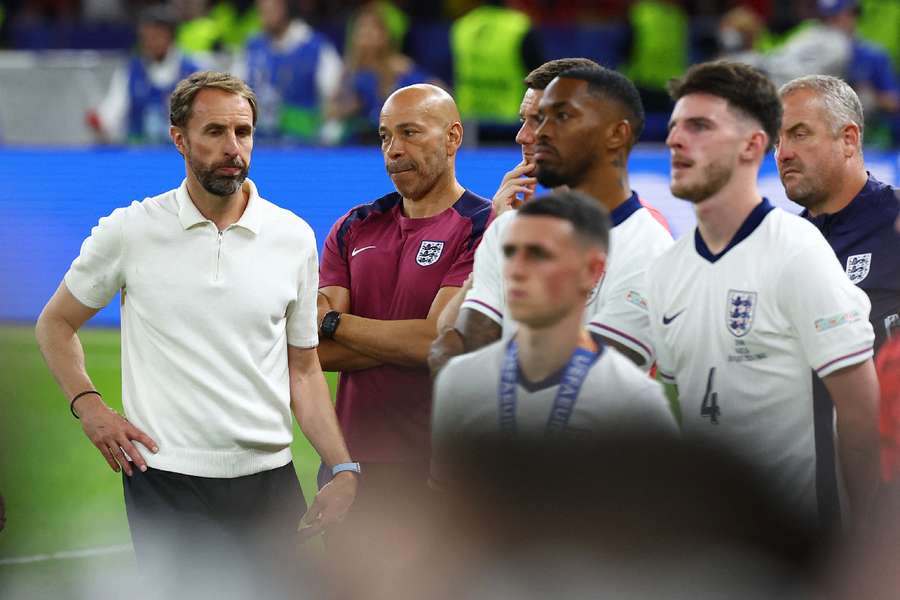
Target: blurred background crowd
100,71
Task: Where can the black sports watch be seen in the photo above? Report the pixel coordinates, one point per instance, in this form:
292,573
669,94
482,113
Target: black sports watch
330,323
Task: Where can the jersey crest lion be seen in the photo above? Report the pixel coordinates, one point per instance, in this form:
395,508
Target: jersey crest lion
429,252
739,312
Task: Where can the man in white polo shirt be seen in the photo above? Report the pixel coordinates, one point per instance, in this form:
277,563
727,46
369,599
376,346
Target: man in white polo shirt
219,344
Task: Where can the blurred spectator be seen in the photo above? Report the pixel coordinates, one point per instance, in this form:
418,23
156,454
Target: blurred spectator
224,26
136,108
830,46
740,32
295,72
880,23
373,69
493,49
659,50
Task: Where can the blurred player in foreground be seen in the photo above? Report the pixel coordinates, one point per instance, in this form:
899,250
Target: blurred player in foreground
743,308
590,120
218,346
388,269
552,378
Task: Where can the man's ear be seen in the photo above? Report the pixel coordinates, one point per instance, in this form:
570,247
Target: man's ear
850,139
619,135
595,266
454,138
178,138
755,146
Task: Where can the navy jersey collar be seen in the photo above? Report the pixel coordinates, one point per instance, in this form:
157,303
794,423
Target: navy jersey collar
620,213
749,225
856,209
555,378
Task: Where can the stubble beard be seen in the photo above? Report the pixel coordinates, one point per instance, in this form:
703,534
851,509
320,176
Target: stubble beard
807,194
715,176
552,178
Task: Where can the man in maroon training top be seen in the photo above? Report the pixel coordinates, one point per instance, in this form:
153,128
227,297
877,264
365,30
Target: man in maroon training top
387,270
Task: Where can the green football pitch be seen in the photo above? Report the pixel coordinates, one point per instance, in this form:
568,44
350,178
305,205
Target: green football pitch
64,506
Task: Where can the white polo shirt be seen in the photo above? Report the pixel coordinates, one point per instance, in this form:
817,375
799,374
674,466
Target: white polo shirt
206,319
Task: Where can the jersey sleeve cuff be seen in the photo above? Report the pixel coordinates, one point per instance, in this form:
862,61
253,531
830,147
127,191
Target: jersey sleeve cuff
846,360
485,309
629,341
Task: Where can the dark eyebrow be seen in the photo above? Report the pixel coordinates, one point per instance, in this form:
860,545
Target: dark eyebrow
694,120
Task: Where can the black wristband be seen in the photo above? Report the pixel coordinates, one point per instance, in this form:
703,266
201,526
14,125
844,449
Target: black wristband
330,323
77,396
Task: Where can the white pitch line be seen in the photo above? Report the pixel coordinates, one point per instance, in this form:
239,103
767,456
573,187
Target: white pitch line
66,555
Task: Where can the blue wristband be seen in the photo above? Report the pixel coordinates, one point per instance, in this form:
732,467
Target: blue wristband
350,466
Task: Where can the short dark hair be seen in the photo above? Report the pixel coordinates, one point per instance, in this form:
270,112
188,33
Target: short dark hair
745,88
541,77
589,219
612,85
181,103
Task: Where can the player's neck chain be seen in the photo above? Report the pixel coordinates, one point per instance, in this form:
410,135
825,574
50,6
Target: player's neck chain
574,374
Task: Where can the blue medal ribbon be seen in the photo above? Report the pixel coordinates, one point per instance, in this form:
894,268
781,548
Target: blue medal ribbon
574,374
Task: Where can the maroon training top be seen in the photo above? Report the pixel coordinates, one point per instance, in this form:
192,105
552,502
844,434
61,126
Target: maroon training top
394,267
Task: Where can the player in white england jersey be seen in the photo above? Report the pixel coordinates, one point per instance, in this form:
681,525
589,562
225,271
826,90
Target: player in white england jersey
744,308
551,378
589,120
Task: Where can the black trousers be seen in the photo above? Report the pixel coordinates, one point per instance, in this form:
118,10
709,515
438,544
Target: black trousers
204,537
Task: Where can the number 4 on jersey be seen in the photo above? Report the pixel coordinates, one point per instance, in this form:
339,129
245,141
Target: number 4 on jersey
710,406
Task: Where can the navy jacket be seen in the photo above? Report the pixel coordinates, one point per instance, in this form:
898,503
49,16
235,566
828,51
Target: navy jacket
865,239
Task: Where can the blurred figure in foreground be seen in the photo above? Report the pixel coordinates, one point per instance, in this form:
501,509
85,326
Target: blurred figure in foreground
136,107
625,516
552,379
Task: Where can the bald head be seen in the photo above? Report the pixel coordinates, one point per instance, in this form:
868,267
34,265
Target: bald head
420,134
428,102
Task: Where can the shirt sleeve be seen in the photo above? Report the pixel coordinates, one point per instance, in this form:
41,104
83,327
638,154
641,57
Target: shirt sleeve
459,271
334,268
622,315
302,317
98,272
829,313
114,106
665,364
486,295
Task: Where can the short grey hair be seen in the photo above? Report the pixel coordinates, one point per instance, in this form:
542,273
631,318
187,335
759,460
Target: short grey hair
841,104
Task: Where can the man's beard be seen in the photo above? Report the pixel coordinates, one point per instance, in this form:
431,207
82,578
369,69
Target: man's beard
807,194
219,185
715,176
427,176
552,178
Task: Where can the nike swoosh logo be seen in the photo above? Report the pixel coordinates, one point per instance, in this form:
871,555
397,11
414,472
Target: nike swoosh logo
358,250
667,320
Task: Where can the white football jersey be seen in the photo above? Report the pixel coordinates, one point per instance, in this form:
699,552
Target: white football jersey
617,308
738,333
615,396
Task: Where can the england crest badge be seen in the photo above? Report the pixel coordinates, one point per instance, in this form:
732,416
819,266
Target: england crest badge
858,267
739,312
429,252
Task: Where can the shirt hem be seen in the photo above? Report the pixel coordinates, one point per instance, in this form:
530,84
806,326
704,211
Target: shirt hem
219,465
